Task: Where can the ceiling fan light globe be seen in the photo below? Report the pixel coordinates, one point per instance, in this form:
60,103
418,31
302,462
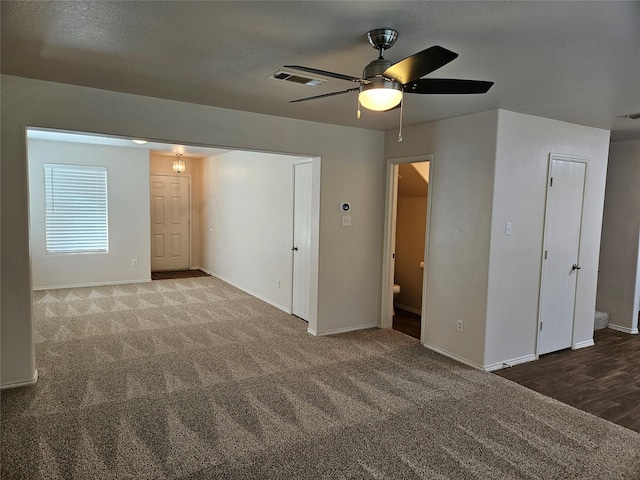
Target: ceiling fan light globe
380,97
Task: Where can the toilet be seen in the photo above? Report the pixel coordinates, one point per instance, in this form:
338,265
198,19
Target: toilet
396,291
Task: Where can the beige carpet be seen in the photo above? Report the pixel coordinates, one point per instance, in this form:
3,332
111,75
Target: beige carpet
194,379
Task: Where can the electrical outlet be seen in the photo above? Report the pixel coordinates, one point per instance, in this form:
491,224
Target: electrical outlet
460,325
278,283
134,262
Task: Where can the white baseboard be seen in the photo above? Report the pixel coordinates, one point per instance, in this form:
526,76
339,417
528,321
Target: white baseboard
26,383
253,294
510,363
335,331
620,328
486,368
407,309
96,284
454,357
585,344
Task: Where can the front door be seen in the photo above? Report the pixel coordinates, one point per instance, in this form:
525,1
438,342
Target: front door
169,222
561,254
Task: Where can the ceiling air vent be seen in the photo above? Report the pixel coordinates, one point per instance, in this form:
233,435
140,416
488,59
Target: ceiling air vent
631,116
295,78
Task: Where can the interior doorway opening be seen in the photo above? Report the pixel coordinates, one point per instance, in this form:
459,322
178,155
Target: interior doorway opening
235,213
406,244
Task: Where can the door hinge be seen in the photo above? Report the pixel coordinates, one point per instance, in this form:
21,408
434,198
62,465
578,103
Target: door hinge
545,254
541,326
551,183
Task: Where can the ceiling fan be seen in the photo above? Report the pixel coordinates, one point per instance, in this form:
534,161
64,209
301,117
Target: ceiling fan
383,84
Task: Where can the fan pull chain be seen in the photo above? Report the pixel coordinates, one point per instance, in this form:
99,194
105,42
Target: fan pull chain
401,111
358,111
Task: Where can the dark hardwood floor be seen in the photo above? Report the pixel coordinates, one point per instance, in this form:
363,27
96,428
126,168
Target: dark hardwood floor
407,323
603,380
172,275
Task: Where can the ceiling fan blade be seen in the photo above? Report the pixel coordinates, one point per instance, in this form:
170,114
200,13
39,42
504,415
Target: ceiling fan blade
420,64
447,86
325,95
327,74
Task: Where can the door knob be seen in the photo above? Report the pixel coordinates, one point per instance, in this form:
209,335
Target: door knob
575,267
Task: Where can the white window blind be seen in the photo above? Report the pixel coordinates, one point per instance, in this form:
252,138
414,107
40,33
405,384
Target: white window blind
75,208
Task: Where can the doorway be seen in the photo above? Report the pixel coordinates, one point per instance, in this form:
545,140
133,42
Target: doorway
406,244
216,217
561,252
170,208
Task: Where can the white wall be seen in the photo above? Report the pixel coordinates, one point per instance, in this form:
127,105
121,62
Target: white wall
461,198
351,170
522,162
128,213
490,168
619,278
247,212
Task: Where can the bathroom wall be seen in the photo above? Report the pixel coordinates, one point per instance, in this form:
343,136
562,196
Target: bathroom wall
410,235
411,223
462,169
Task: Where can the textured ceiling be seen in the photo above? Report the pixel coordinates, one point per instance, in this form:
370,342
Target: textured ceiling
572,61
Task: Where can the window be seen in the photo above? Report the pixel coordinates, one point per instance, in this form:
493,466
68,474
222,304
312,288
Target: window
75,208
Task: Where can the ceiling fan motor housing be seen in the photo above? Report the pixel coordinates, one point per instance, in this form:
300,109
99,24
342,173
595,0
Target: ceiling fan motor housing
376,68
382,38
373,72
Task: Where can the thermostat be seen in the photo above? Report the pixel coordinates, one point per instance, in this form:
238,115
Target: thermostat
345,207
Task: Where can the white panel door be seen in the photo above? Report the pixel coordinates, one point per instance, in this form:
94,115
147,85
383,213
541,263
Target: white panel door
301,239
561,262
169,222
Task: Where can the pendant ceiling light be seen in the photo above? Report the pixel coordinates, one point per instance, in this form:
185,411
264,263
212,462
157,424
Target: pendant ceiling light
178,164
